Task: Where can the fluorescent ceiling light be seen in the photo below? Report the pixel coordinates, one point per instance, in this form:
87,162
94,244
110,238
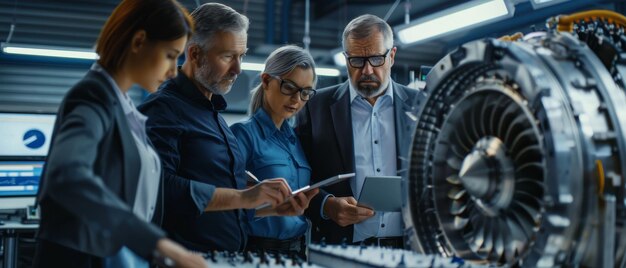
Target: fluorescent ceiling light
544,3
259,67
454,19
49,51
327,71
33,50
339,58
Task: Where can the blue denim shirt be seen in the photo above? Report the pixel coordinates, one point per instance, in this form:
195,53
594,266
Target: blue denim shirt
270,153
198,153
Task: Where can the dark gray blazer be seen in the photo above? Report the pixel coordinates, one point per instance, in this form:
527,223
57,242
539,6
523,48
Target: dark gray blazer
324,127
90,179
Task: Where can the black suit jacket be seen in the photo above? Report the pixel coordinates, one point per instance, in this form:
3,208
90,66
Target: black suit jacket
90,179
324,127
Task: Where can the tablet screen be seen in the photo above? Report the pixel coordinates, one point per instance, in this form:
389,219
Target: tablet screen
327,182
382,193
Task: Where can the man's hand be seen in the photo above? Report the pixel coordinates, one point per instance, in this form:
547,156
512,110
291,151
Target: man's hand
295,205
344,211
181,257
273,191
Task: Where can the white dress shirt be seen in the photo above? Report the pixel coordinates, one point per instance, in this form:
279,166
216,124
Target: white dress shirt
373,129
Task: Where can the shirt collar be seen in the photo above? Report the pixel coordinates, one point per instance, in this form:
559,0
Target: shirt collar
188,89
127,103
354,94
267,125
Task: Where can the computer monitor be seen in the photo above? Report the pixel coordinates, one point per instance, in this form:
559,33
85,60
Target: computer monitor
25,134
24,143
19,181
20,178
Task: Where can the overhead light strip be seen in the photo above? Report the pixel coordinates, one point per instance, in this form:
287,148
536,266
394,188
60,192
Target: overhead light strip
259,67
327,71
544,3
339,58
90,55
49,52
461,17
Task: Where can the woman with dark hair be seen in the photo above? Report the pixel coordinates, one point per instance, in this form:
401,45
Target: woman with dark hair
100,188
270,147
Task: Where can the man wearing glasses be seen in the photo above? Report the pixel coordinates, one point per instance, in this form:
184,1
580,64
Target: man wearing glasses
363,126
205,194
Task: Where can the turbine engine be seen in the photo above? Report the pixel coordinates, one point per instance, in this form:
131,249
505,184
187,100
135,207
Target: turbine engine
519,152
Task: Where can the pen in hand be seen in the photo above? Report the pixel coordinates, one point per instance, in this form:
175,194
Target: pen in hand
251,178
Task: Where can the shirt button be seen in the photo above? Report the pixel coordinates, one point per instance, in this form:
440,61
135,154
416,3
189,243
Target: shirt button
376,142
382,225
378,170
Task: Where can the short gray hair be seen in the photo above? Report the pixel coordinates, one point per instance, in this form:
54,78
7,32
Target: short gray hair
280,62
363,27
211,18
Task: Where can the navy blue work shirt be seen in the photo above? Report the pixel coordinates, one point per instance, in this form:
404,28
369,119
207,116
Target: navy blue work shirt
270,152
198,153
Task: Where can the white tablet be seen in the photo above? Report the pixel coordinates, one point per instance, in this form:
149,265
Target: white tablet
327,182
382,193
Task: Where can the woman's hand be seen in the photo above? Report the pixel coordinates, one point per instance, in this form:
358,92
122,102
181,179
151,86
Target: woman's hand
174,255
294,206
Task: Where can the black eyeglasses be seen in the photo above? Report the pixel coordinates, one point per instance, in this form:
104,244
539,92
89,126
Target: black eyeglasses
359,62
289,88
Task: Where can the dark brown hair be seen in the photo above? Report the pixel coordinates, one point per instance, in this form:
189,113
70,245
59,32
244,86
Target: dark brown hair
163,20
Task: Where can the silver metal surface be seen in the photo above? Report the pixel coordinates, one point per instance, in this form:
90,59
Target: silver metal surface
517,155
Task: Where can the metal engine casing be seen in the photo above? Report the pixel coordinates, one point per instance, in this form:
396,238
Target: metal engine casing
518,156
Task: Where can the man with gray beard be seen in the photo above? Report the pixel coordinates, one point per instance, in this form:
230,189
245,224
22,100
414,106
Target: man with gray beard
205,191
363,126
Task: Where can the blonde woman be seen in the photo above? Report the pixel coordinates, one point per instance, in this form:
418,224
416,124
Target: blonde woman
271,148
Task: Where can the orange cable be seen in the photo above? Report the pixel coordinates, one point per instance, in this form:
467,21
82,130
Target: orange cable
566,22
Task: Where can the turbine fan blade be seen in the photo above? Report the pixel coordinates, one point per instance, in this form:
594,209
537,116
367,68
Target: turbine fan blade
475,125
485,110
528,134
526,215
460,222
518,123
457,207
458,151
456,193
517,236
529,186
527,153
454,163
454,179
505,118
